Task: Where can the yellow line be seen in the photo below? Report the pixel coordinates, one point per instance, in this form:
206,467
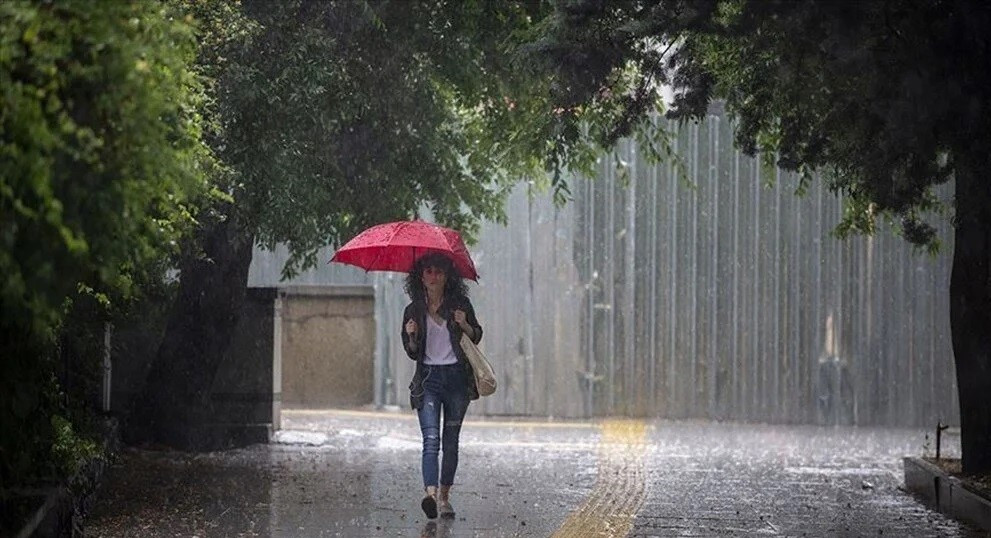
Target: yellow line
620,486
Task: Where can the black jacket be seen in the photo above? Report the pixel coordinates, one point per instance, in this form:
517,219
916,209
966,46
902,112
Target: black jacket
417,311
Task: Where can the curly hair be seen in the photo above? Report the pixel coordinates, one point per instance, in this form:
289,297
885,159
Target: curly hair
454,287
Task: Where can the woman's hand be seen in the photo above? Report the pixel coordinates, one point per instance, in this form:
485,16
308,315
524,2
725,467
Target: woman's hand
411,327
462,321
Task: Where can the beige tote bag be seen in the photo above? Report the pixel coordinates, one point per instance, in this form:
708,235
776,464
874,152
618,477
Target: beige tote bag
485,378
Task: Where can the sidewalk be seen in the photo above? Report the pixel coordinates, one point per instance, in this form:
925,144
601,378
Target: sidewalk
341,473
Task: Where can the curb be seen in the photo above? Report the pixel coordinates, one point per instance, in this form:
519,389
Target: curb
947,493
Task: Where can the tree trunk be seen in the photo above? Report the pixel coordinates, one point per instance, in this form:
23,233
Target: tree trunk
175,403
970,316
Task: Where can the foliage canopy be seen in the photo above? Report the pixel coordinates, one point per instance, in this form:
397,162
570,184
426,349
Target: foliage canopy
100,146
339,115
100,161
876,95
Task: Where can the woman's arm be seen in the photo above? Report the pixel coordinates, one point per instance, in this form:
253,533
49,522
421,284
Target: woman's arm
411,343
475,334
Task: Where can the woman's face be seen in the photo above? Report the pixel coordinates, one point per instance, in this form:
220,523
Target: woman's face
434,278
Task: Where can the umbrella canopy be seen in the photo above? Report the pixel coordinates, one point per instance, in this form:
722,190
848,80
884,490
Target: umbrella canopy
395,246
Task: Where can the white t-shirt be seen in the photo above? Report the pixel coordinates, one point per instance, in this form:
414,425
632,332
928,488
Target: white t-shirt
439,350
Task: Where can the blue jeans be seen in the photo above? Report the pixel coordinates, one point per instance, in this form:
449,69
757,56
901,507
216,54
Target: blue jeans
443,389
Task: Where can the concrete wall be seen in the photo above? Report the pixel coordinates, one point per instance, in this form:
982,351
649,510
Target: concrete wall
246,389
328,346
302,346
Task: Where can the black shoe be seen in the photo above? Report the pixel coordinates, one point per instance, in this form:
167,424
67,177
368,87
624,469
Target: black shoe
429,505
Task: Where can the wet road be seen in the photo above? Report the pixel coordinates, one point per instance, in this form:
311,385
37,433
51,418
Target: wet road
352,473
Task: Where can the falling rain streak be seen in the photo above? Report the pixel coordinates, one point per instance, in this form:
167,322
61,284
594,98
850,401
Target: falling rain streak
715,294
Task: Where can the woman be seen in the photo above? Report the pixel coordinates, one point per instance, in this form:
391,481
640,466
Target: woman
433,322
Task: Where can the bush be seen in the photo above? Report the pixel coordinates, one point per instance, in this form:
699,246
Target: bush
101,163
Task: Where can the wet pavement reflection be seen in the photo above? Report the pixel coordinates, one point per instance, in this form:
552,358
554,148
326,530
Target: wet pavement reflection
354,473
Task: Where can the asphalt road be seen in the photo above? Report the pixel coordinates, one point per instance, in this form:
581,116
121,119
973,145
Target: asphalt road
355,473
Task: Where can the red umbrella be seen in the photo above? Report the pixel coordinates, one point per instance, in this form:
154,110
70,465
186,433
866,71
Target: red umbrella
395,246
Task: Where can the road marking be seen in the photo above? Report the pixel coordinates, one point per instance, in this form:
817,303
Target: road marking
620,486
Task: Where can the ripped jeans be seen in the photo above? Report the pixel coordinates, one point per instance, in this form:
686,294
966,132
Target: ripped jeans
443,389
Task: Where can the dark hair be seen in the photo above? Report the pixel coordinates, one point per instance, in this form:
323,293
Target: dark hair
454,286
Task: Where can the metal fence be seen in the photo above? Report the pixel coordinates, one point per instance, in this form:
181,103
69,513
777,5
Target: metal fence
722,295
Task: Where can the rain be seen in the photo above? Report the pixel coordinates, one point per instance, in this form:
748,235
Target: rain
736,442
725,261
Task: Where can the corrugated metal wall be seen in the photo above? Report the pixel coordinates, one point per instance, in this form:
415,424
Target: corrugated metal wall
723,297
730,299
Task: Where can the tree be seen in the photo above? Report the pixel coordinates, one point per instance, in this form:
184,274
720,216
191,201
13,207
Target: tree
887,99
332,116
100,162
